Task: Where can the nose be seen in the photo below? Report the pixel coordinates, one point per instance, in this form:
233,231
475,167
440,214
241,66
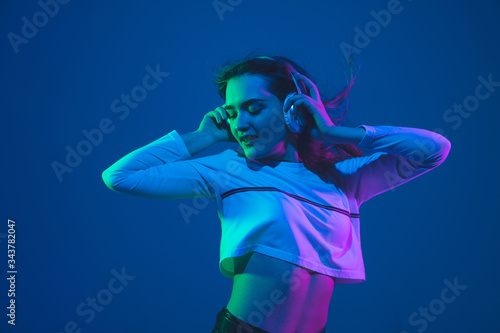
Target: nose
242,122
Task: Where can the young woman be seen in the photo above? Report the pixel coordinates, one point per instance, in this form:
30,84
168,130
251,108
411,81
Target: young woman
288,200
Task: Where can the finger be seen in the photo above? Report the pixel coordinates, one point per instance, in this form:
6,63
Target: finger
302,102
294,99
225,117
217,116
289,102
223,108
223,113
309,84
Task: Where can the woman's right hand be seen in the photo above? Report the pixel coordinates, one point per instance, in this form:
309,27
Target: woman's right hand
214,123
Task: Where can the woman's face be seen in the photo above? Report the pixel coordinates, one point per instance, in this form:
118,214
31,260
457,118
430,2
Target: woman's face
253,110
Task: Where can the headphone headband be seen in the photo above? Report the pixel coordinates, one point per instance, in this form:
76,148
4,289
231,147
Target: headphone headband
266,57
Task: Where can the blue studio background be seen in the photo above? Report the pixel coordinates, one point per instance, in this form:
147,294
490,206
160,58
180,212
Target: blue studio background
64,69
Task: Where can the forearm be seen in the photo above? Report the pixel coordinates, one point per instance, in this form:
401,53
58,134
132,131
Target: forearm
344,135
161,169
424,148
197,141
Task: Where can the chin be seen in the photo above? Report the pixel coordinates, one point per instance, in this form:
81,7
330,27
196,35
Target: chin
254,153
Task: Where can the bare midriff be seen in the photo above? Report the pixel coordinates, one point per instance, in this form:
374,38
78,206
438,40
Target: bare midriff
278,296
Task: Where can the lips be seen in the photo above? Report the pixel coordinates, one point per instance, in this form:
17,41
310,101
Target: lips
248,139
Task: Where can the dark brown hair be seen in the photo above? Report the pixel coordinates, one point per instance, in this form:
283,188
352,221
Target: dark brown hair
317,156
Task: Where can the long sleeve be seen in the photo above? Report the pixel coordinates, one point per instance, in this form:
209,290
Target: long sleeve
159,170
398,154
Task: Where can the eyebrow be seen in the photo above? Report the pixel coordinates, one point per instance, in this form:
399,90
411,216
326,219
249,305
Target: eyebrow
245,103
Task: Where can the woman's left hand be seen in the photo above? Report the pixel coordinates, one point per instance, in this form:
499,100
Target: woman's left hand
314,106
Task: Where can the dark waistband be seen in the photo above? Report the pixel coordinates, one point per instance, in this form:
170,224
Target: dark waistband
228,323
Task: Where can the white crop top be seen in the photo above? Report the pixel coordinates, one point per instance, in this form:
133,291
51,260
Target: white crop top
286,211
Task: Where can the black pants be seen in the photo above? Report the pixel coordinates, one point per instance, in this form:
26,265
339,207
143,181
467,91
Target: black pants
227,323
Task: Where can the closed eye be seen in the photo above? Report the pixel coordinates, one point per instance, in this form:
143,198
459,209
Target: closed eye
251,112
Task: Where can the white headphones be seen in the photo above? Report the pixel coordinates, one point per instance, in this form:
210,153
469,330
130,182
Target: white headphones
294,119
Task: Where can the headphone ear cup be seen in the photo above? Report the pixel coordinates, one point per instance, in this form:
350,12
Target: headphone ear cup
290,116
286,99
288,121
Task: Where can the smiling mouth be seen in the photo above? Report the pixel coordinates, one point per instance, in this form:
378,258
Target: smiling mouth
249,140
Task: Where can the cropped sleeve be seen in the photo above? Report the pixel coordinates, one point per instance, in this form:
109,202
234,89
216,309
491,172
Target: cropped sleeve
159,170
395,155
